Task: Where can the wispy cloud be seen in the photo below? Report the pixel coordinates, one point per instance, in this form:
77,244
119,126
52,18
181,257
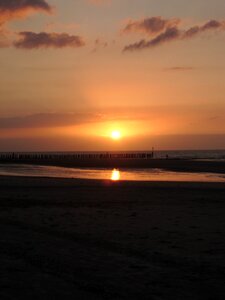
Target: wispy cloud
44,120
167,118
170,34
99,44
210,25
163,32
179,69
32,40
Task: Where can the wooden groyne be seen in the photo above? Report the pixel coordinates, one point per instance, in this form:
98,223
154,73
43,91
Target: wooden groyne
80,159
133,160
20,156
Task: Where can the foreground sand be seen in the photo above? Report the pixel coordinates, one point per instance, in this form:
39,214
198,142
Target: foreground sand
79,239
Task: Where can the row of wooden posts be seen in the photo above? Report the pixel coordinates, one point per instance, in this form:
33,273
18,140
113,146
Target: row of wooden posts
70,156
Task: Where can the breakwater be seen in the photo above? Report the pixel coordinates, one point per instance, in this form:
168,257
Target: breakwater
19,156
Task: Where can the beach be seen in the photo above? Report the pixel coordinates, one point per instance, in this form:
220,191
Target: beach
94,239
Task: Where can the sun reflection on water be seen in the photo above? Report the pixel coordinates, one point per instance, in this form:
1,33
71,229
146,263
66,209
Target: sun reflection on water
115,175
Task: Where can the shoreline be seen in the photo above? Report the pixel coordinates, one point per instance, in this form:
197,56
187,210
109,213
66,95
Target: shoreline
176,165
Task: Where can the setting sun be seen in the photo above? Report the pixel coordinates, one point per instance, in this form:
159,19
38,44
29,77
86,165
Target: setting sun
115,135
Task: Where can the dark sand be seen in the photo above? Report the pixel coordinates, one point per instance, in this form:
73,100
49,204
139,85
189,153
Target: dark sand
79,239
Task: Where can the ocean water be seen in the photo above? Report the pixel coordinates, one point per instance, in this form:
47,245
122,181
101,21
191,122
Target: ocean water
108,174
192,154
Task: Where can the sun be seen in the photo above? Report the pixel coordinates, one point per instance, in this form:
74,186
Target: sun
116,135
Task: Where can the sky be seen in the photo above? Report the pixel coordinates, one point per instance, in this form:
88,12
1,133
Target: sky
72,72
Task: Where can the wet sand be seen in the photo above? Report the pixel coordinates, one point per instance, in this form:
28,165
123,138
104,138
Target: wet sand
177,165
86,239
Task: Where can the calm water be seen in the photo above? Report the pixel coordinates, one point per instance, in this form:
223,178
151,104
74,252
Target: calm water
193,154
107,174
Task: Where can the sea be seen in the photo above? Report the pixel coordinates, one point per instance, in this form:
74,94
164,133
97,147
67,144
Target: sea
123,174
192,154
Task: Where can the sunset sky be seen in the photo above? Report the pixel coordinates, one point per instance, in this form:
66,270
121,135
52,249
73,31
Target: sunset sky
72,72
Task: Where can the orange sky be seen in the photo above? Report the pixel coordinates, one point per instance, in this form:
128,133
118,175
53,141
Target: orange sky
73,73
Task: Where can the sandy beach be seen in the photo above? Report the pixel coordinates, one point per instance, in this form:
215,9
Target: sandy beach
86,239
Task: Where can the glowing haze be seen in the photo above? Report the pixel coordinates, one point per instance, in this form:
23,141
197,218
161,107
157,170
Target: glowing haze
112,75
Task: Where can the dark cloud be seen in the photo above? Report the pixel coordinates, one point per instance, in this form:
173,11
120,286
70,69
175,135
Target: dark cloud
149,26
10,9
43,120
31,40
191,32
169,35
175,33
211,25
16,5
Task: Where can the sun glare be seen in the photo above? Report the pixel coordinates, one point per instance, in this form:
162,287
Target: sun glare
115,175
115,135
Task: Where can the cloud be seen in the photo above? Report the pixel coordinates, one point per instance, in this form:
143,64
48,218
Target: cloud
210,25
31,40
173,33
99,44
179,69
43,120
150,26
13,9
165,119
49,120
16,9
169,35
